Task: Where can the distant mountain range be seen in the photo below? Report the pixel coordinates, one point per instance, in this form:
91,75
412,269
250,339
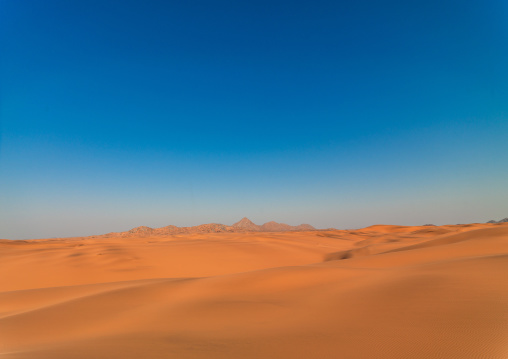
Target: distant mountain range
243,225
504,220
246,224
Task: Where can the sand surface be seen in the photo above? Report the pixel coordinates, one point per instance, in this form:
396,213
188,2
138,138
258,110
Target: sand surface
378,292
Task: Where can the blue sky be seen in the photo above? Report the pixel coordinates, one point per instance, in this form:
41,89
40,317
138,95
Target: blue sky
116,114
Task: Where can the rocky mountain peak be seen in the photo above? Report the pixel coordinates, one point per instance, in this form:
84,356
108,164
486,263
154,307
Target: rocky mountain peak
247,224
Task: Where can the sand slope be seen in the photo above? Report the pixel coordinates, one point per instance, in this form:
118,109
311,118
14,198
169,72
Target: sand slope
378,292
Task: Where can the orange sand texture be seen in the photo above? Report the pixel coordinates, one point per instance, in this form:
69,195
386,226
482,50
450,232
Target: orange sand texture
378,292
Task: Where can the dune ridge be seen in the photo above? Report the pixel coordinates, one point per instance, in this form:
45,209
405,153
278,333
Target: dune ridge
377,292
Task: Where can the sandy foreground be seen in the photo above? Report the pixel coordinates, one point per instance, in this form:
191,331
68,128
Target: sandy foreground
378,292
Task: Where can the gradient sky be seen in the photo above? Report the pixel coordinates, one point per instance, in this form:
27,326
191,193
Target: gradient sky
116,114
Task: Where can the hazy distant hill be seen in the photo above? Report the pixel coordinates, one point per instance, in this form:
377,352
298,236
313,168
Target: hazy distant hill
504,220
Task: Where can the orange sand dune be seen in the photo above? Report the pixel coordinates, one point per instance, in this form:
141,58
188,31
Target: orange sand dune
378,292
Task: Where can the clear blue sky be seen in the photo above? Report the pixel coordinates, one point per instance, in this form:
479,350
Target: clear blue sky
116,114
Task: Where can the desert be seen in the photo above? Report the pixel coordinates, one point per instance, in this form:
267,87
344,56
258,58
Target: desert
383,291
365,142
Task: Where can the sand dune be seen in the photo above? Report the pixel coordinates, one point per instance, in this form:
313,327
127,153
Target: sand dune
377,292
